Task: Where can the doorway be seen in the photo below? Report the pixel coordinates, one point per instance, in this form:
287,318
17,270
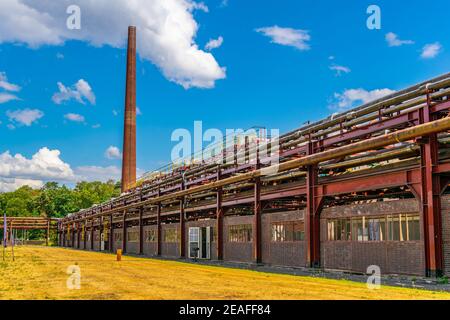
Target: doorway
102,242
200,243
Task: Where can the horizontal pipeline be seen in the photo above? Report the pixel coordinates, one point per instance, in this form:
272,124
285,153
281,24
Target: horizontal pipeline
370,144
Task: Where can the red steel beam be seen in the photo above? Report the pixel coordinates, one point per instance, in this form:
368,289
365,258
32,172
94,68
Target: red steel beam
141,232
158,229
431,201
182,231
124,232
219,220
257,246
111,233
312,214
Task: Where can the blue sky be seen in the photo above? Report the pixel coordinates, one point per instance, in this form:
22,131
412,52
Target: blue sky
266,84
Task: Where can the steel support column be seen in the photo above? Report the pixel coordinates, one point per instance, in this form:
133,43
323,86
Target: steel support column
219,219
124,232
182,231
431,200
85,233
79,236
312,214
257,254
100,232
158,229
182,221
92,234
72,238
111,234
47,233
141,232
158,225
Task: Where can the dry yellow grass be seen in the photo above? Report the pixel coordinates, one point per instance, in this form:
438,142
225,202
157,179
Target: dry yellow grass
40,273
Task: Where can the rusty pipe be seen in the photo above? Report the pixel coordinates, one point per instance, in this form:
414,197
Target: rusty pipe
370,144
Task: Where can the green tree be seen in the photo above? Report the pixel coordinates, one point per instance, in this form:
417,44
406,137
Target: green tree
56,201
90,193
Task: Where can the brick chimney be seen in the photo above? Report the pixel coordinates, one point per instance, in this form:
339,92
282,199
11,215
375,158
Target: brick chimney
129,134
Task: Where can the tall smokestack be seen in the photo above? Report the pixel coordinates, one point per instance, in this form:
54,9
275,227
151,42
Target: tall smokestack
129,134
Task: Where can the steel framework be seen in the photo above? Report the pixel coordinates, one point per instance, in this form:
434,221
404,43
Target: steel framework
30,223
392,147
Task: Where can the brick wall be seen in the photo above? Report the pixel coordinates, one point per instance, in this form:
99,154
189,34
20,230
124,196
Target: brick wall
97,240
117,244
236,251
445,210
282,253
150,248
170,249
88,239
133,247
393,257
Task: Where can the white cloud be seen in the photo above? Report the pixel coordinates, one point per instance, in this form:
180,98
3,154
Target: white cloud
46,164
393,40
96,126
200,6
79,91
59,56
166,32
4,84
12,184
431,50
287,36
113,153
352,97
6,97
339,69
25,117
7,87
214,43
97,173
138,111
74,117
115,113
224,3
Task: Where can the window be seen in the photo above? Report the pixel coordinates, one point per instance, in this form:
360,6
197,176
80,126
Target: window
240,233
359,229
133,236
377,229
288,231
400,227
298,231
393,226
413,227
118,236
194,234
171,235
339,229
106,230
214,234
150,235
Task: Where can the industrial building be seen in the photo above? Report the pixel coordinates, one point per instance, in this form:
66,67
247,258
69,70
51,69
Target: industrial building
360,188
